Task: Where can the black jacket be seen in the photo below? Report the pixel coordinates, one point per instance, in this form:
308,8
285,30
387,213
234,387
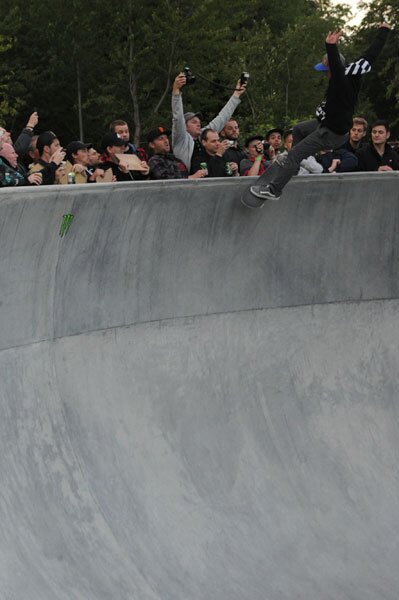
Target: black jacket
121,175
235,154
167,166
348,160
344,85
216,165
10,176
348,146
23,142
46,169
370,160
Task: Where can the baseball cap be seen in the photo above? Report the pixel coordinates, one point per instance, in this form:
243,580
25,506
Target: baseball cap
274,130
252,138
156,133
322,67
45,139
191,115
74,147
111,139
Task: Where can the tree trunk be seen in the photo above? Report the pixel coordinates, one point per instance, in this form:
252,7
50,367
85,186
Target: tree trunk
168,82
80,115
287,94
133,94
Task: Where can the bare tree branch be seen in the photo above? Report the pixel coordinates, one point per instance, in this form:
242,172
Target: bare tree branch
168,81
133,94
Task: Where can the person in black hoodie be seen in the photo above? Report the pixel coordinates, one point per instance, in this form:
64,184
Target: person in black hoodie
334,115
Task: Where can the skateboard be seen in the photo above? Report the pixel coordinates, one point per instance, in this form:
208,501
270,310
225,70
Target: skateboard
250,201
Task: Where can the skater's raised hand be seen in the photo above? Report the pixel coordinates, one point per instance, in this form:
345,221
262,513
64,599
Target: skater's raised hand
333,36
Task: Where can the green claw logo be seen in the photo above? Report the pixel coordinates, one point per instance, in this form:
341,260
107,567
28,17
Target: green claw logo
65,224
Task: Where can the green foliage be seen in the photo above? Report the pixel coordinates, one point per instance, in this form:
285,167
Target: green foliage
125,59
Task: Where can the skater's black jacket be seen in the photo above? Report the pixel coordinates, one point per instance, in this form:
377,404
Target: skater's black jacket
343,89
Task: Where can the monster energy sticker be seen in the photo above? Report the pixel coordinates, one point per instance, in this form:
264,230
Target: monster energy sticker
65,224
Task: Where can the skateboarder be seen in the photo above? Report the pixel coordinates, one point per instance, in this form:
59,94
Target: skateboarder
334,116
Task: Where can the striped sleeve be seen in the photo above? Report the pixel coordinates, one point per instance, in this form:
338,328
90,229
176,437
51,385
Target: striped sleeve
360,67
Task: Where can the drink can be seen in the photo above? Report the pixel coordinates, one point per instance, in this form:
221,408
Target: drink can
228,169
71,178
203,165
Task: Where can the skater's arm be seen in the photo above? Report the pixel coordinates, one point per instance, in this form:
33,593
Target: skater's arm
335,65
363,64
376,47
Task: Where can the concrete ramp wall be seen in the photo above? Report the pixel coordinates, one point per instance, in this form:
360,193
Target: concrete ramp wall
197,400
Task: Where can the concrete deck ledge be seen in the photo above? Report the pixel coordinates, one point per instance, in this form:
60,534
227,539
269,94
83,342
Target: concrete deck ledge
145,252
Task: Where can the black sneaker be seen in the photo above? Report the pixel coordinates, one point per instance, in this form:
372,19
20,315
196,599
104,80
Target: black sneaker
264,192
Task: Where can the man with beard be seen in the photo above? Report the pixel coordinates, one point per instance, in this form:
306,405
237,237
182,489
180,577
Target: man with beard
231,133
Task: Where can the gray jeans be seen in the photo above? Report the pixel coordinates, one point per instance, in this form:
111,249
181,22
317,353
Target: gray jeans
309,138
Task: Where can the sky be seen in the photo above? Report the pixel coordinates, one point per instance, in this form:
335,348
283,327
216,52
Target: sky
357,14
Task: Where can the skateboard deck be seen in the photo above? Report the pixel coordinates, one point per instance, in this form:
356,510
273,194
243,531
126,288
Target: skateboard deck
250,201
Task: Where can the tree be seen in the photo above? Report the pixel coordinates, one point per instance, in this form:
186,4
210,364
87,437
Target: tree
84,68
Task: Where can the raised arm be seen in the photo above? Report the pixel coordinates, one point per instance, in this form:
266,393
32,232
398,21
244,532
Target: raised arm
227,111
24,139
178,123
377,45
335,65
363,64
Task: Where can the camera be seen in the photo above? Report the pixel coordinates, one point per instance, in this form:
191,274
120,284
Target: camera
190,78
244,78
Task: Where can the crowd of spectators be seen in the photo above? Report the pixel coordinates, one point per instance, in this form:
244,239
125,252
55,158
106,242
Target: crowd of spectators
190,150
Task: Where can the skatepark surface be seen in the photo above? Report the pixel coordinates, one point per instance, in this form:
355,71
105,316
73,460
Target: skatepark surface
199,401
